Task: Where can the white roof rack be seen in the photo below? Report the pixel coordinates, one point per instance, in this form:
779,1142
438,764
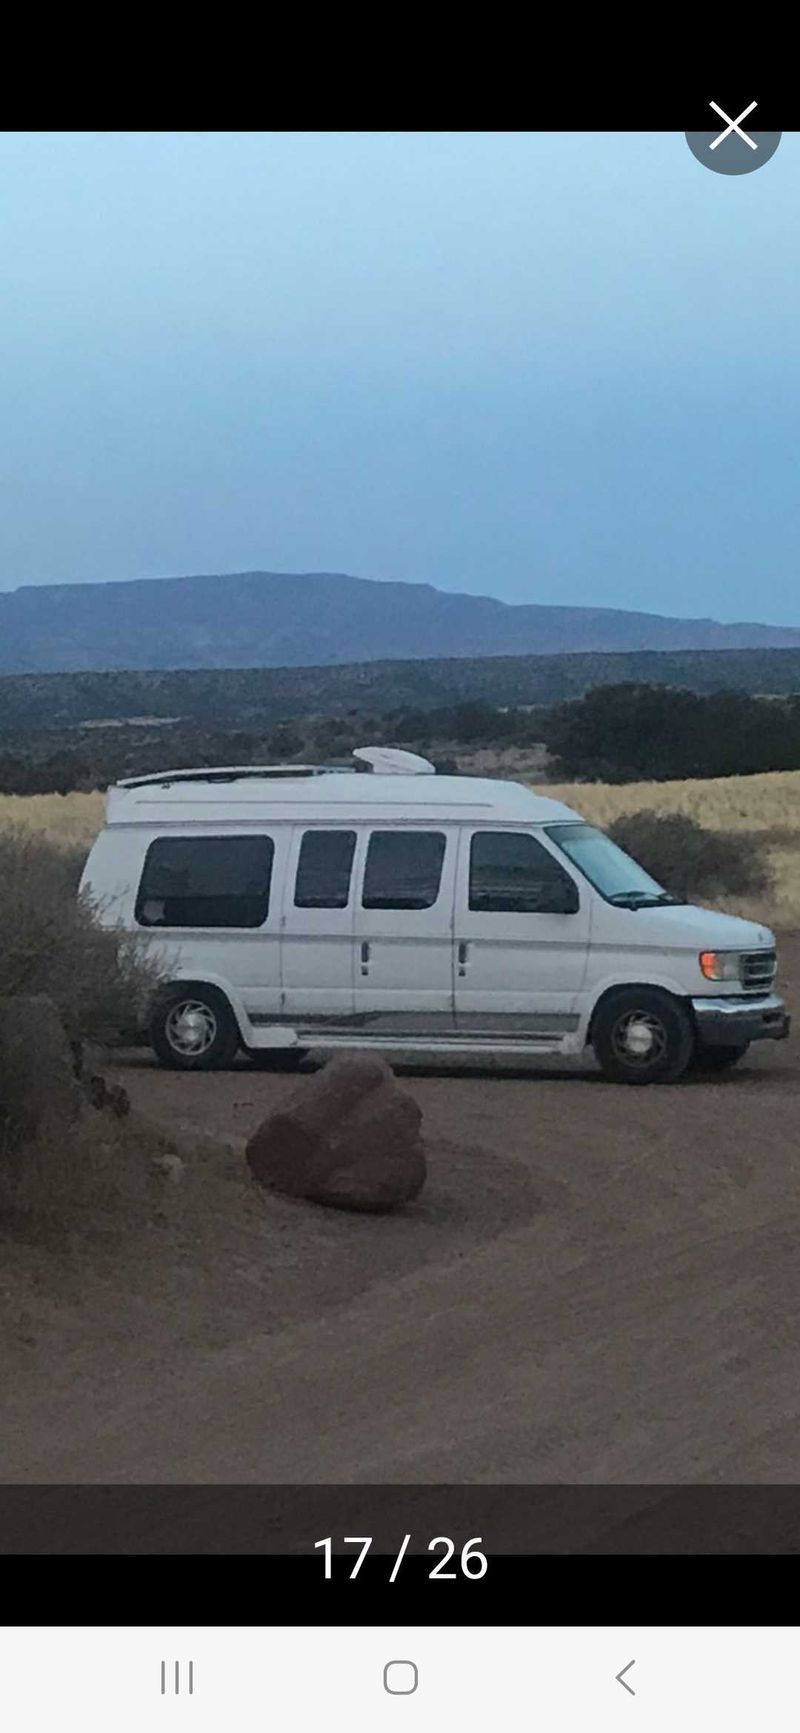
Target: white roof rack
383,760
225,773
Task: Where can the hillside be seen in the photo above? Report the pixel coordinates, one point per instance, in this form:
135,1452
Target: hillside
35,702
270,619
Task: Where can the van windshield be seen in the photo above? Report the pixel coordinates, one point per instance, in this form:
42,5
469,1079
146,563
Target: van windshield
612,872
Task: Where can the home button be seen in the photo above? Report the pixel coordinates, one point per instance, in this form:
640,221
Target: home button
400,1678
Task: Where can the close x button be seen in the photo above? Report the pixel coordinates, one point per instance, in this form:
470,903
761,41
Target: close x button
734,144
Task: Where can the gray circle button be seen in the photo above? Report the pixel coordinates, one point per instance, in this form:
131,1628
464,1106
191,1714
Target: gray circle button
733,148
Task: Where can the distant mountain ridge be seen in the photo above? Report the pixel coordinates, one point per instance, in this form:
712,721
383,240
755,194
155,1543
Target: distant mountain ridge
322,619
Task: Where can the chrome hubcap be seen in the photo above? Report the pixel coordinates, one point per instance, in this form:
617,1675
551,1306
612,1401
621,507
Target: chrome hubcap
639,1038
191,1028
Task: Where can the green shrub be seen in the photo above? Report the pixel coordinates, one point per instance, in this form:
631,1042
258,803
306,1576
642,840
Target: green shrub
691,862
635,732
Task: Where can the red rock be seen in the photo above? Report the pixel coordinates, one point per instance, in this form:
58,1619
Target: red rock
347,1137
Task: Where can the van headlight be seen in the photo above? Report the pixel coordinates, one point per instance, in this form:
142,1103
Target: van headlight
722,965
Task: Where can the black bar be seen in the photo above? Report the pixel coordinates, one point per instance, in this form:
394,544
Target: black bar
291,1591
279,1521
621,104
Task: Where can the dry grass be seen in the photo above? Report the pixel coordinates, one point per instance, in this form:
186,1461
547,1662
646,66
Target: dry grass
68,820
769,805
762,803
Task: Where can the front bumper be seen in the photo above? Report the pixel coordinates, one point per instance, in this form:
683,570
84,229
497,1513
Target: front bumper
731,1022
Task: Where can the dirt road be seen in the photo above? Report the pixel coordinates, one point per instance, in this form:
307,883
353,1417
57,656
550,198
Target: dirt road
598,1284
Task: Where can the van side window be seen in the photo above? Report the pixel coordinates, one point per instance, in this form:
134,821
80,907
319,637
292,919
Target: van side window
511,873
403,870
206,881
323,869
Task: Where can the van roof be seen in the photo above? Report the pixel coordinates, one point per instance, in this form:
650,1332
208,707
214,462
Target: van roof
250,794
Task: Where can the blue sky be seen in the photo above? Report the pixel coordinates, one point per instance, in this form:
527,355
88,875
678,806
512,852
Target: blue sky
538,366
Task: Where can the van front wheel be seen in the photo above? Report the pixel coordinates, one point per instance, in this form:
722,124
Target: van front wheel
193,1028
641,1035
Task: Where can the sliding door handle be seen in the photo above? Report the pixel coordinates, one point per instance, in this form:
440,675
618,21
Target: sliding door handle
365,954
463,955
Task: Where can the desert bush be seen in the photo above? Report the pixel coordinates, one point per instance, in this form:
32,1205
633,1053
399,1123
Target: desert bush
51,943
631,731
693,862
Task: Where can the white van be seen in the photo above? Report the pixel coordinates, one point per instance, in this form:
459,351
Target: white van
297,908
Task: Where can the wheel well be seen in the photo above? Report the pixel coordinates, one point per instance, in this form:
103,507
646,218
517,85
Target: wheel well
168,988
631,987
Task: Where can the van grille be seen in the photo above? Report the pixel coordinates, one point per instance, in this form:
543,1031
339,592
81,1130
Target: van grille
758,970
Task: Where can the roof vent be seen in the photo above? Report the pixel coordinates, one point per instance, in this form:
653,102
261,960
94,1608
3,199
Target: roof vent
391,761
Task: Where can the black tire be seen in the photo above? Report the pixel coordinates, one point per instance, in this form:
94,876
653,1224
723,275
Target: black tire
277,1058
623,1019
210,1036
712,1059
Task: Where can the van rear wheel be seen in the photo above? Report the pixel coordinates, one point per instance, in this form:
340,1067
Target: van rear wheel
193,1028
641,1035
